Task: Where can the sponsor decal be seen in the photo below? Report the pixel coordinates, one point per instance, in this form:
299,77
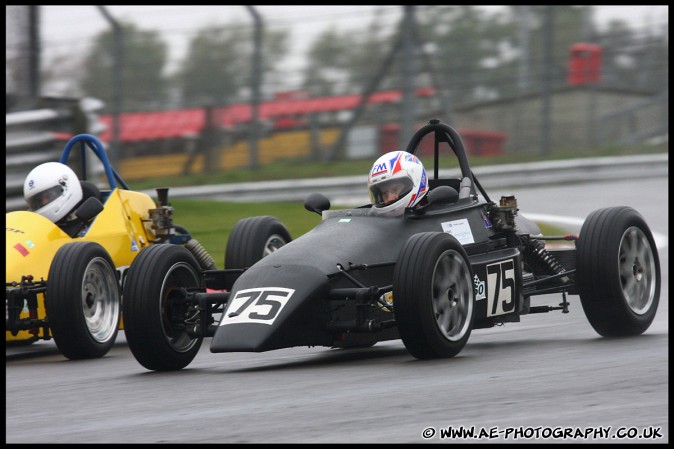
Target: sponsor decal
480,288
134,245
378,170
29,244
21,249
485,220
256,305
459,229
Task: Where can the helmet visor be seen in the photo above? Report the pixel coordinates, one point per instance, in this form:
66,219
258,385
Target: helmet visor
388,192
41,199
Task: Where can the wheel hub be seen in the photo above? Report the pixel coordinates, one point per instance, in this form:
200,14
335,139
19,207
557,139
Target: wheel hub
637,270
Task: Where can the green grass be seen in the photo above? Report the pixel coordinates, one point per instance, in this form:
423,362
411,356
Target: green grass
211,222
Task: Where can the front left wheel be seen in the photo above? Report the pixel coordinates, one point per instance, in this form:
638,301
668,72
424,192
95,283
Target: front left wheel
618,272
433,295
156,315
83,300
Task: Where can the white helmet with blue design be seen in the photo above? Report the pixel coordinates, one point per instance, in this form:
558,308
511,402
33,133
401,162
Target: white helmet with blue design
52,190
397,181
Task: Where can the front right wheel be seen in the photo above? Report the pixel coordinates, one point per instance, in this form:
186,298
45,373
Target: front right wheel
433,295
253,238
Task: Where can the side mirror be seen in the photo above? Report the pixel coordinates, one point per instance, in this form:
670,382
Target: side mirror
317,202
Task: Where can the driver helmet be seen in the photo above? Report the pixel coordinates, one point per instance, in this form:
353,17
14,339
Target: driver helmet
52,190
397,180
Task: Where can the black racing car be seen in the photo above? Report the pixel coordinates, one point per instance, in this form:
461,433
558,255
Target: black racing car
459,262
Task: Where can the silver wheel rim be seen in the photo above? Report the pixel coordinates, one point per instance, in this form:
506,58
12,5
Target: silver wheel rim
179,275
636,265
273,243
100,300
452,295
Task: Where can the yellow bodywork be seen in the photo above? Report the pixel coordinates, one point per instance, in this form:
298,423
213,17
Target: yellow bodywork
123,228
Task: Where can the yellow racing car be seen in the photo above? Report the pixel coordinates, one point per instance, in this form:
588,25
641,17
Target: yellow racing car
66,283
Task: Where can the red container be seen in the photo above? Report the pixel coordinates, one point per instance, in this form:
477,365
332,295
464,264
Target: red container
477,142
584,64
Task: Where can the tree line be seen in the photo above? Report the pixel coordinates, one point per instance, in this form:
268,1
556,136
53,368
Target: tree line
469,54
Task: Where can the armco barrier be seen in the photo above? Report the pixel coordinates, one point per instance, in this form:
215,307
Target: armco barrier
36,136
497,176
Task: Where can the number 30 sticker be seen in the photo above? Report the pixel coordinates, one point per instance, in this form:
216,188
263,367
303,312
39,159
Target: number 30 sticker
256,305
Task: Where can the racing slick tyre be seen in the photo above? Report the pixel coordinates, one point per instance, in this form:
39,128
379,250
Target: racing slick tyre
433,295
154,310
618,272
253,238
82,300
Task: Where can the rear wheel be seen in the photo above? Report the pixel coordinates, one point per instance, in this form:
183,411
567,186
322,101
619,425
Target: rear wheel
618,272
433,296
254,238
155,313
83,300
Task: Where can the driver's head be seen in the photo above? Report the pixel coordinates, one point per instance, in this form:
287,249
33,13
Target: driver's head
397,180
52,190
